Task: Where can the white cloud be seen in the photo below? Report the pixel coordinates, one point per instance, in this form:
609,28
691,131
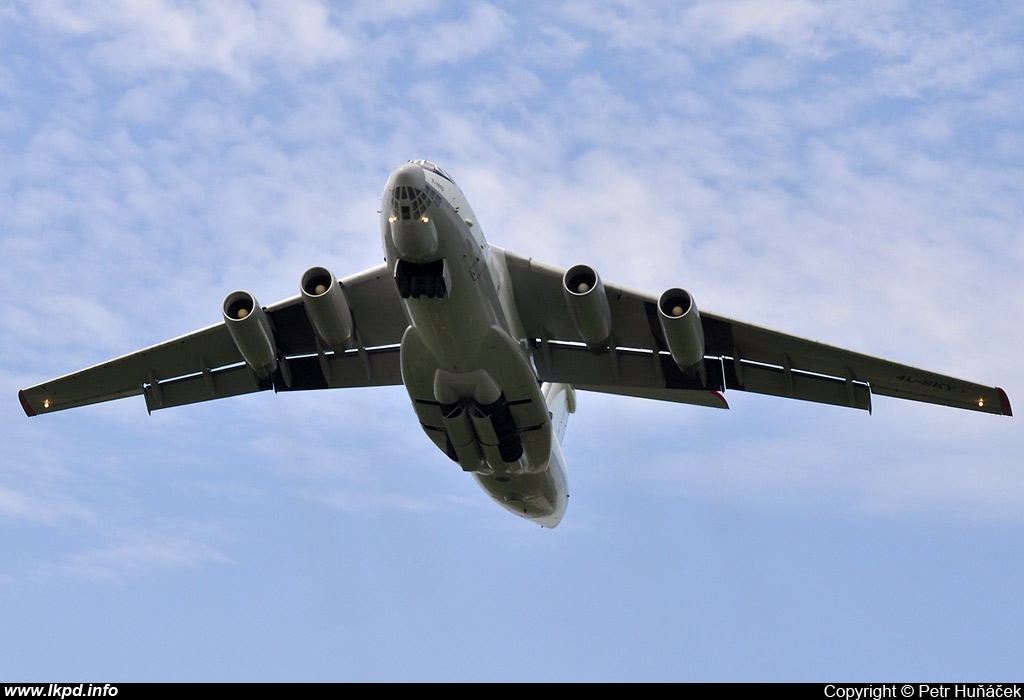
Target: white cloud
939,51
48,509
795,25
230,37
482,29
137,555
354,502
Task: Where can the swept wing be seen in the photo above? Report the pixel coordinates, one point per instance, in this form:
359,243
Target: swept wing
636,360
207,364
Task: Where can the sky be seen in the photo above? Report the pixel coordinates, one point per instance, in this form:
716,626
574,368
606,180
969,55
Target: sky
845,171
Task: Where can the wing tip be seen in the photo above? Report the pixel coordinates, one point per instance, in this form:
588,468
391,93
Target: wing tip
1004,402
721,397
25,404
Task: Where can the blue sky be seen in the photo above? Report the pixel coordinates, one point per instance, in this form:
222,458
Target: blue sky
844,171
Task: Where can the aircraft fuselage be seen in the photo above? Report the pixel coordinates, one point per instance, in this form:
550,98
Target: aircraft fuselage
465,362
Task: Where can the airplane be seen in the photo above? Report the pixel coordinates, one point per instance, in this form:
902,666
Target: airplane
491,347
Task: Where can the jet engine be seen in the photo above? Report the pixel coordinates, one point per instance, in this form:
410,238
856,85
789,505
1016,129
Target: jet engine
249,327
588,304
326,306
684,334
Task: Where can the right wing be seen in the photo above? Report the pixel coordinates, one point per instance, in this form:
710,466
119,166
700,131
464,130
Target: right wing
207,364
636,361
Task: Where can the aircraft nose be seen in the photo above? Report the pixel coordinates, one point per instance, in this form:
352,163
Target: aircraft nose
412,231
408,175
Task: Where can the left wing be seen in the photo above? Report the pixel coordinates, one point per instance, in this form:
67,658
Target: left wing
636,360
207,364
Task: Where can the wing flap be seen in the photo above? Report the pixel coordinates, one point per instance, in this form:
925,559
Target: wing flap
374,367
794,384
353,368
626,372
748,343
654,375
219,384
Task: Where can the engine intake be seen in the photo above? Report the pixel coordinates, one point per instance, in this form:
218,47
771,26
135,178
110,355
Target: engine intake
588,304
326,306
684,334
249,327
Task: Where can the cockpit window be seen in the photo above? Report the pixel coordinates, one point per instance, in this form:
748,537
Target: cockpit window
408,203
433,168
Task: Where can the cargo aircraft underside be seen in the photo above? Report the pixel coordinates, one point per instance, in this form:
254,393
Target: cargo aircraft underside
491,347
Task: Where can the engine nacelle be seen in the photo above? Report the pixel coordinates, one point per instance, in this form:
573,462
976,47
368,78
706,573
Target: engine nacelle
249,327
680,322
584,293
326,306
